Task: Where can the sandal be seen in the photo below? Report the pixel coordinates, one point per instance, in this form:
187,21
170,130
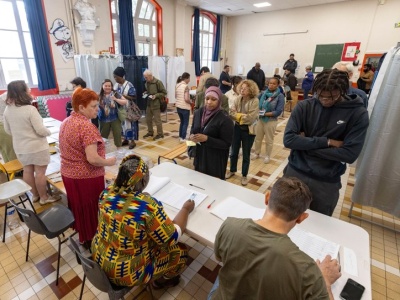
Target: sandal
164,283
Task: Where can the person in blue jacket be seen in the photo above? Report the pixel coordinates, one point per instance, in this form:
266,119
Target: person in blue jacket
306,85
325,133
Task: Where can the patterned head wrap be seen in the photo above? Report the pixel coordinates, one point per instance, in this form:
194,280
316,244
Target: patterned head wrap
133,175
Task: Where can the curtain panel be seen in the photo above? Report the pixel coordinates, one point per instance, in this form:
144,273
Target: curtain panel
196,42
41,46
127,35
217,42
134,67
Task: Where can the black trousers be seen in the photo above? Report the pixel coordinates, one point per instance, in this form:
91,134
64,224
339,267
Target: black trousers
325,194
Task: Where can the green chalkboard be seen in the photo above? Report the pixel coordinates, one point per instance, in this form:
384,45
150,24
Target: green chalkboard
327,55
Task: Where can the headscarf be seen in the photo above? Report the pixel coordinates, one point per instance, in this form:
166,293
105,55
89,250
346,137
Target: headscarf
119,71
133,175
207,113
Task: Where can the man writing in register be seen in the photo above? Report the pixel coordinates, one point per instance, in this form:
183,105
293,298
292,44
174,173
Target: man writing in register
259,259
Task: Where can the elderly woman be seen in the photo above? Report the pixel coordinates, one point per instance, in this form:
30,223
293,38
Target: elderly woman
244,112
82,152
135,241
212,130
24,123
108,113
271,106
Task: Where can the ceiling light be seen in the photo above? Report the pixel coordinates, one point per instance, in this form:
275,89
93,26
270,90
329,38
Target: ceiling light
263,4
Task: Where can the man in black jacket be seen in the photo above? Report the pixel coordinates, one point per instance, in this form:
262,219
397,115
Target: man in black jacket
258,76
290,64
324,133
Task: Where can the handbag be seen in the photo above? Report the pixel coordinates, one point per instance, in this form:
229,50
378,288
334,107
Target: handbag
134,113
191,151
163,104
122,113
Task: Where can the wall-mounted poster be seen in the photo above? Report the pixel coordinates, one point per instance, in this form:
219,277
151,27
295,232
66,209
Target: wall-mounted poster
62,35
350,51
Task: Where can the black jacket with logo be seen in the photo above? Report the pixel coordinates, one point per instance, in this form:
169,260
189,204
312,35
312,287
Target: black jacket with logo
311,125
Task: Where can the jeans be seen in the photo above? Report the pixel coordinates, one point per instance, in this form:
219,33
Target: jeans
184,115
246,140
213,289
306,92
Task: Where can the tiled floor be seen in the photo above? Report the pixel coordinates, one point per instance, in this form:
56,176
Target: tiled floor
35,279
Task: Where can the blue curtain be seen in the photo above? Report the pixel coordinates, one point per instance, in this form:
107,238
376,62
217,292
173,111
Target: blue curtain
127,35
196,41
40,42
217,43
134,67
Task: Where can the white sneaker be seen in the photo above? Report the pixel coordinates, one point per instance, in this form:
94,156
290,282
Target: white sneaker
50,199
254,156
35,199
244,181
181,140
267,159
229,174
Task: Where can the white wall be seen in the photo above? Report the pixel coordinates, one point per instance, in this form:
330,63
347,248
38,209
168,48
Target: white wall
243,42
356,21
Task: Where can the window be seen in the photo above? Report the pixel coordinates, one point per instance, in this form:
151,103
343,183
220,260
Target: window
145,23
207,32
16,53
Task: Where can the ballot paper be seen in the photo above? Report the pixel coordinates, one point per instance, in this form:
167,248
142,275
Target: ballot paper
313,245
172,194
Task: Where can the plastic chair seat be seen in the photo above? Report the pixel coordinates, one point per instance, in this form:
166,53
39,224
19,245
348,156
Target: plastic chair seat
11,167
12,189
51,223
56,219
98,277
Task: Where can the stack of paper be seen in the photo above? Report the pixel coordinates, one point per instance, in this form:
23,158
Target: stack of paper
172,194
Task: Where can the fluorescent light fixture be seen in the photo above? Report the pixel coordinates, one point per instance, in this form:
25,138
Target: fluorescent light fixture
263,4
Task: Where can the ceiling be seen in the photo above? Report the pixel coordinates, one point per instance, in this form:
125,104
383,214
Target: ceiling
243,7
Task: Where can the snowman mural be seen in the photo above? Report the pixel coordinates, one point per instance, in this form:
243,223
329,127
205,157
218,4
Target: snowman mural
62,34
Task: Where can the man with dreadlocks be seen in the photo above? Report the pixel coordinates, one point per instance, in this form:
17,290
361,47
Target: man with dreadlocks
324,133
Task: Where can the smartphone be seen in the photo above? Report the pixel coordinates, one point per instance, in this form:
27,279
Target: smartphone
352,290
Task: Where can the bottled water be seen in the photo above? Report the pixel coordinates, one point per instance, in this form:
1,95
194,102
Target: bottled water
12,218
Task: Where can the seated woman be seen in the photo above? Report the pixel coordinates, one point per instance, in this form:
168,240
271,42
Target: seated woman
212,130
135,240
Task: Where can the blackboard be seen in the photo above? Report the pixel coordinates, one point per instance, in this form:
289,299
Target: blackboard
327,55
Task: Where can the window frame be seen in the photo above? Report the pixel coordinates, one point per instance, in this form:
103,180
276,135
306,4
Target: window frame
213,19
25,58
157,41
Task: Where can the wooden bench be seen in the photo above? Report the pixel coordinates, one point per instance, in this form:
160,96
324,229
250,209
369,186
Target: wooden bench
173,153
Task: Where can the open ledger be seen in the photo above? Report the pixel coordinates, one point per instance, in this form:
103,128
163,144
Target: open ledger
172,194
313,245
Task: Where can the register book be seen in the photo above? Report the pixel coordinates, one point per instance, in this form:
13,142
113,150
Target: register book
313,245
172,194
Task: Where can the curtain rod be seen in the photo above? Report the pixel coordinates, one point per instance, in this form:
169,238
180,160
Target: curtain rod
283,33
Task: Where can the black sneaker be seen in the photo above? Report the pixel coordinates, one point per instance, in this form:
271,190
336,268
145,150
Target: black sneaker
132,145
163,283
158,136
147,135
125,142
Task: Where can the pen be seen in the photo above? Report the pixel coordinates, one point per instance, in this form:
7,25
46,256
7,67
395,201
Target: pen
209,205
197,186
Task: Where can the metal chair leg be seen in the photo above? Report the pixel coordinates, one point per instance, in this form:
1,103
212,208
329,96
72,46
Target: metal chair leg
5,222
58,258
83,287
27,247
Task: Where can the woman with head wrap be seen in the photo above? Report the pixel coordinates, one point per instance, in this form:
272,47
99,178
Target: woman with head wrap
128,91
212,131
135,240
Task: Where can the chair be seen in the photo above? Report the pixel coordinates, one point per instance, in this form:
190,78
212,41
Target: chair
51,223
12,189
99,278
10,168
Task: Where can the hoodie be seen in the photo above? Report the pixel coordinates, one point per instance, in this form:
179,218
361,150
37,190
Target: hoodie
311,125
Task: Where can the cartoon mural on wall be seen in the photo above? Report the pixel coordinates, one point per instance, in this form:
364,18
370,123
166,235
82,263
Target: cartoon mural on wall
62,34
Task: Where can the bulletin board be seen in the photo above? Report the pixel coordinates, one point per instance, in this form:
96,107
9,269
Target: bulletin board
326,56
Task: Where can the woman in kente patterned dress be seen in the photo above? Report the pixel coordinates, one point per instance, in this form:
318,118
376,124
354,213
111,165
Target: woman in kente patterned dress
83,159
136,241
